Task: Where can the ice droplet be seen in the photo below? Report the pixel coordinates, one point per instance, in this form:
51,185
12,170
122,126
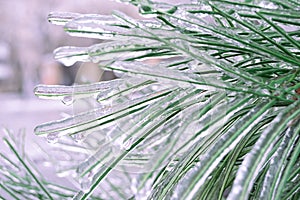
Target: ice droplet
52,138
68,100
79,137
69,55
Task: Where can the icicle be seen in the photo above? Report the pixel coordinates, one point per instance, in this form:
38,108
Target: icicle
69,93
165,75
214,155
125,19
121,50
116,50
72,124
70,55
133,88
61,18
201,6
90,120
106,27
96,26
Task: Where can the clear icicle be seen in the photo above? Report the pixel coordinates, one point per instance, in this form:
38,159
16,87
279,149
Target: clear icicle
131,91
90,120
156,141
69,93
106,27
163,152
61,18
95,26
167,76
116,50
195,52
70,55
147,8
95,19
71,124
121,50
189,179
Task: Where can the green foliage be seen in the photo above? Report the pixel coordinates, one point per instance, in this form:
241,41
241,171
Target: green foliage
19,177
216,117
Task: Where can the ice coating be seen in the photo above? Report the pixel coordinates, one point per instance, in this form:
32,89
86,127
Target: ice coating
61,18
62,92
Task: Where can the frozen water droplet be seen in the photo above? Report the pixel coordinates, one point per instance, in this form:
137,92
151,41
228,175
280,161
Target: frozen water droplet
68,100
52,138
69,55
126,145
79,137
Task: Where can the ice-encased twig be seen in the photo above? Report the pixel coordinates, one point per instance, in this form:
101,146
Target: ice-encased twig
94,118
115,50
76,91
271,182
258,156
97,26
167,76
100,26
61,18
